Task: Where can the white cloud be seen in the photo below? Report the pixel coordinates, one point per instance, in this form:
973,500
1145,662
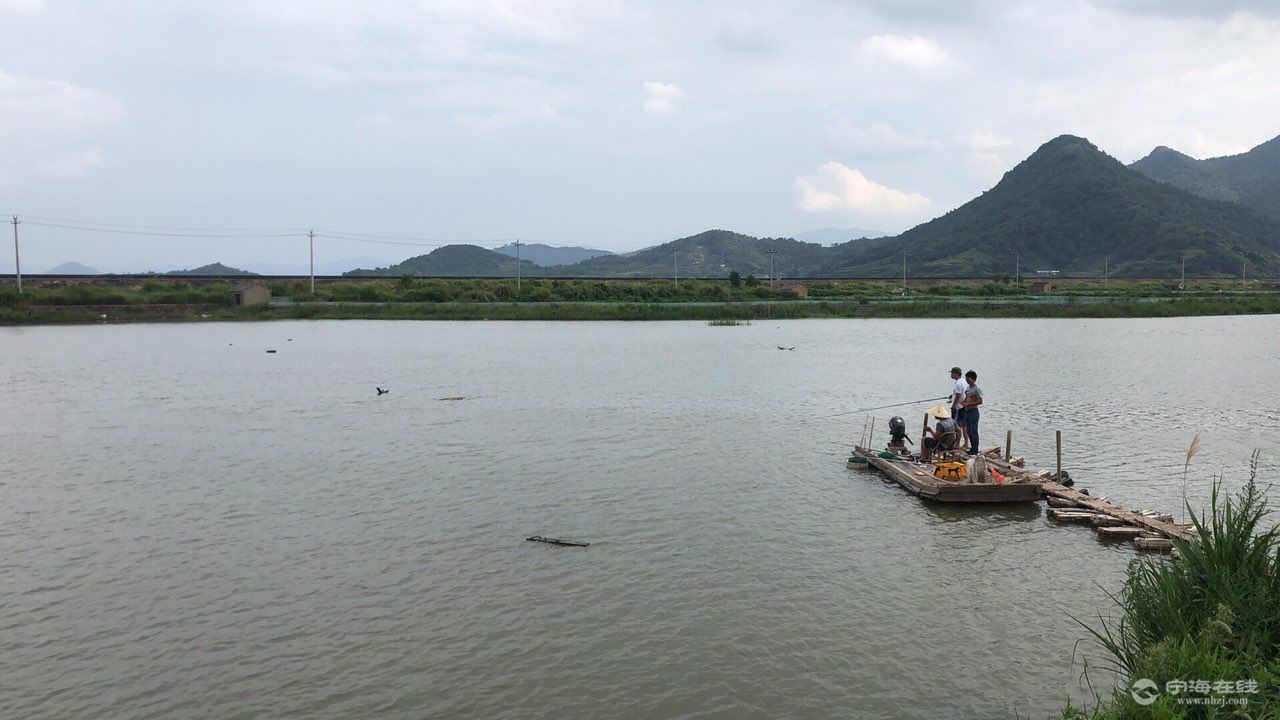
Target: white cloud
52,129
661,98
21,5
836,187
914,52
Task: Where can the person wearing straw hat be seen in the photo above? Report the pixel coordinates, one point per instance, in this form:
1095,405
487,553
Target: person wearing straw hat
942,436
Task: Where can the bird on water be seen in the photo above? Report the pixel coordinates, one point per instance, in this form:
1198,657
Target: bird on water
381,391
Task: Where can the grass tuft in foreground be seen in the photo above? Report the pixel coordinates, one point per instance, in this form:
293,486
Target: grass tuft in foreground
1212,614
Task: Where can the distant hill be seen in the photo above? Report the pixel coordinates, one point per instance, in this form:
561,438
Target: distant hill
547,255
1066,207
455,260
216,268
72,268
835,236
1251,178
328,267
714,253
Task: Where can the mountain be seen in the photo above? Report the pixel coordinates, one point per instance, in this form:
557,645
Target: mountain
1066,207
1251,178
835,236
216,268
72,268
714,253
457,261
546,255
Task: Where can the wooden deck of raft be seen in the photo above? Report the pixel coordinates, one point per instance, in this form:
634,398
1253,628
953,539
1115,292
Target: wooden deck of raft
1147,530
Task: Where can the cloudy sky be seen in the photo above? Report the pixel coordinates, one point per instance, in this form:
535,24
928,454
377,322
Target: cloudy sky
604,123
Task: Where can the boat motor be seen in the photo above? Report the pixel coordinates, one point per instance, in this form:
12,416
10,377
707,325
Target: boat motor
898,432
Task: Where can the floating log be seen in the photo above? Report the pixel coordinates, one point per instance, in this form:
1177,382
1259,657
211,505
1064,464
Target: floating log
556,541
1060,503
1153,544
1121,532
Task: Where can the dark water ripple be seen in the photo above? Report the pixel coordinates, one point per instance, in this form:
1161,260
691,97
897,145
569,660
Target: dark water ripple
201,530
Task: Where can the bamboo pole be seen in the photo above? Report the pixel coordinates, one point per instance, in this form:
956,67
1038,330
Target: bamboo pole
926,427
1008,444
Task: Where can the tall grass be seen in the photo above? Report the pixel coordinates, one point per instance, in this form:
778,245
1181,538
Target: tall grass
1211,614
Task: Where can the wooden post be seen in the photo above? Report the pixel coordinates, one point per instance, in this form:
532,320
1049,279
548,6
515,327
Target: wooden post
926,427
1058,477
1008,444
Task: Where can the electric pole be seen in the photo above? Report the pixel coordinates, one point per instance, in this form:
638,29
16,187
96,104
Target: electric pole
675,267
311,243
1017,268
904,273
1244,268
1183,282
517,269
771,254
1106,268
17,261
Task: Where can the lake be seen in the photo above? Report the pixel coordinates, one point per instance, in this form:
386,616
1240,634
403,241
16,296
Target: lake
196,528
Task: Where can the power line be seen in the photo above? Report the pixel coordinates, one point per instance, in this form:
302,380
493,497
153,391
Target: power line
164,227
160,234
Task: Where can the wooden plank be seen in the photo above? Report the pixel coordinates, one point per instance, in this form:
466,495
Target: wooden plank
1121,531
1060,503
1101,520
1155,525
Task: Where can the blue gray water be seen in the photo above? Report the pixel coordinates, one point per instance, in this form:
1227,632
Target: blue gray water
195,528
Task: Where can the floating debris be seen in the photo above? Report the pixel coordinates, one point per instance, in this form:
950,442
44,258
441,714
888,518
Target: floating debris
556,541
271,351
456,397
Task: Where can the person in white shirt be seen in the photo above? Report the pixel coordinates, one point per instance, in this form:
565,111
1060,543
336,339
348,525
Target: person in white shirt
957,402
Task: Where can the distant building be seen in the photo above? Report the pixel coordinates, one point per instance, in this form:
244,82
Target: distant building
249,293
800,290
1041,287
1046,273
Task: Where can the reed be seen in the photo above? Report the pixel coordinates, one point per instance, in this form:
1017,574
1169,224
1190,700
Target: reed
1213,613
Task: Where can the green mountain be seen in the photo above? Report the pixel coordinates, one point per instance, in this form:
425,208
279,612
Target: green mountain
455,260
1065,208
547,255
216,268
1251,178
711,254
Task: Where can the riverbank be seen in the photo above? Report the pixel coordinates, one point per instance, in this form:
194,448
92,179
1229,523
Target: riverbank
196,312
485,299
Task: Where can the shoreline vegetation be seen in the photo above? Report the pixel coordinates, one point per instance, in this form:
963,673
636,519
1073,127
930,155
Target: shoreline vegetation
1196,634
95,300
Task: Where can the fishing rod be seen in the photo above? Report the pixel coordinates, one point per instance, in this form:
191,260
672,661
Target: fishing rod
881,407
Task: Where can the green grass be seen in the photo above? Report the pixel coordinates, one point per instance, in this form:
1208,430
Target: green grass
1211,614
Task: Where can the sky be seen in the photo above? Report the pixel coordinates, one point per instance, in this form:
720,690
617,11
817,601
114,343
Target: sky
601,123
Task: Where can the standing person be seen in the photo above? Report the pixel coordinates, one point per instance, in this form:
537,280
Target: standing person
972,399
957,402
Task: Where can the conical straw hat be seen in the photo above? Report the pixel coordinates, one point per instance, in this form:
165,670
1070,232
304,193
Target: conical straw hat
939,411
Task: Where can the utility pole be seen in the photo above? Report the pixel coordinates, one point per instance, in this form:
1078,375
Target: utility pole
771,254
675,267
1106,268
517,269
311,243
17,261
1017,268
1244,268
1183,282
904,273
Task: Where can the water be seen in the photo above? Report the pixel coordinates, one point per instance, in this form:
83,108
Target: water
195,528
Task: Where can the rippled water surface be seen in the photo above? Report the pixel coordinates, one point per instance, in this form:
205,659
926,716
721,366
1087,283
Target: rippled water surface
195,528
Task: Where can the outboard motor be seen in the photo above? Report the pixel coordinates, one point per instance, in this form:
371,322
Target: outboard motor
897,432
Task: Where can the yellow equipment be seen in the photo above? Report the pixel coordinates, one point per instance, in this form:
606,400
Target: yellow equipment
949,471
